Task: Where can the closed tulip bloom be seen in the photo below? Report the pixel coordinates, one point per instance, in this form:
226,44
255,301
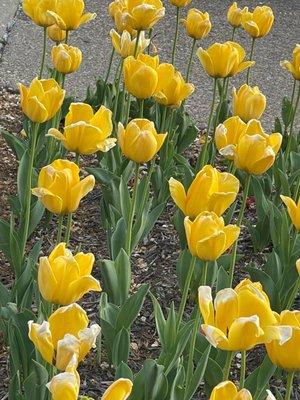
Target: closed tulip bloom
144,14
223,59
60,188
197,24
84,131
63,278
210,190
293,66
235,14
293,210
140,75
41,100
65,386
119,390
248,102
228,391
208,237
284,350
66,59
37,11
69,14
55,33
124,44
139,141
228,135
117,6
171,89
259,22
180,3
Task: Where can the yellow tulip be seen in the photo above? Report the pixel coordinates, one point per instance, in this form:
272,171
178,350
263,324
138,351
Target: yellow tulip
298,266
124,44
180,3
235,14
42,100
66,59
236,320
64,278
293,210
284,350
84,131
293,66
116,6
65,386
228,135
60,188
259,22
248,102
228,391
140,75
65,339
223,59
210,190
69,14
37,11
139,141
119,390
208,237
55,33
171,88
197,24
144,14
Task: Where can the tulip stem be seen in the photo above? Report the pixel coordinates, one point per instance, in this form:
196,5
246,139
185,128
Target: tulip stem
77,159
250,59
233,33
137,43
201,159
239,222
176,36
190,61
67,37
185,292
150,38
59,228
163,119
68,229
288,148
43,54
132,209
243,370
289,385
227,366
118,90
141,108
108,73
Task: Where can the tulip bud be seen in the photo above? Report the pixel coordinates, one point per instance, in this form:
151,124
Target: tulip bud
139,141
42,100
125,45
248,103
228,134
144,14
197,24
66,59
180,3
120,389
293,210
294,66
55,33
59,187
259,22
228,391
235,14
37,10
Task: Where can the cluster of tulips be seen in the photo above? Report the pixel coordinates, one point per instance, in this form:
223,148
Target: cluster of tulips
139,126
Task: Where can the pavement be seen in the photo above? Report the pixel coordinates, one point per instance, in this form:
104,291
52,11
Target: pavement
20,56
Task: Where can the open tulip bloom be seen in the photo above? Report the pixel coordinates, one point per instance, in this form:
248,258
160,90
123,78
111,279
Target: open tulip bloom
259,22
293,209
143,14
293,66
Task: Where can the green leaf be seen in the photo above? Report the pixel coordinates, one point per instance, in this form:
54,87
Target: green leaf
109,280
123,269
36,215
286,112
257,381
22,178
121,347
124,200
123,371
118,238
159,319
17,145
35,383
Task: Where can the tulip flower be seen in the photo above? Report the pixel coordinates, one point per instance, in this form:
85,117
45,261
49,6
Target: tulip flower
60,188
119,13
41,100
284,349
66,59
125,45
293,66
210,190
197,24
228,135
293,210
235,14
119,390
115,7
84,131
232,55
139,141
208,237
140,75
248,102
144,14
298,266
65,385
69,14
171,88
64,336
259,22
64,278
37,11
55,33
228,391
237,318
180,3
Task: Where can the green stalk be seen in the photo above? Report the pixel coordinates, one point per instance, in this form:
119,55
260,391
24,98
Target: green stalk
108,73
243,370
176,36
190,61
118,90
239,221
163,119
68,229
137,43
250,59
132,210
186,291
201,159
43,54
149,37
67,37
77,159
59,228
226,371
289,385
141,114
288,148
233,33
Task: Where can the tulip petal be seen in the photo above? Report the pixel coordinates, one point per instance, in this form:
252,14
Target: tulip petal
52,202
215,336
77,289
224,390
245,333
80,190
178,193
79,112
206,304
46,280
120,390
67,347
42,338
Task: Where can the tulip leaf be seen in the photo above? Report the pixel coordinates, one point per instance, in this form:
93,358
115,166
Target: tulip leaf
123,269
222,279
17,145
109,280
160,320
22,178
124,200
123,371
121,347
176,383
35,383
286,112
257,381
36,215
118,238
